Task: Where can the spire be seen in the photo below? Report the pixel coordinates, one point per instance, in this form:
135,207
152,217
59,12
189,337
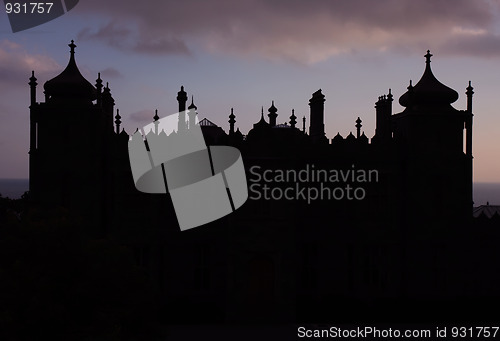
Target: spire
33,79
192,113
98,85
272,114
469,89
469,94
428,59
33,85
72,48
192,106
293,119
118,121
155,121
358,127
231,121
389,96
304,124
262,122
468,125
107,91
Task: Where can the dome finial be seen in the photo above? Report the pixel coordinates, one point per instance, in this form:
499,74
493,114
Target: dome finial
72,47
428,57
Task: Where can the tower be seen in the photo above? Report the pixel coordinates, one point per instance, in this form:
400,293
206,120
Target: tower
182,99
317,113
468,144
272,115
231,121
192,113
293,119
429,134
70,144
383,112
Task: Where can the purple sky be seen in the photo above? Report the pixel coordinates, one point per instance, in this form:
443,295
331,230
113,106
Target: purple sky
244,54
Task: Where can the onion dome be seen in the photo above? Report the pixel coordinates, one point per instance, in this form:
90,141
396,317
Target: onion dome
70,83
272,109
272,115
350,137
338,138
232,117
363,138
428,90
238,134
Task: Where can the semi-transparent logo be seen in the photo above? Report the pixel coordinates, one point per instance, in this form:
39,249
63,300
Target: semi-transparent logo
27,14
205,183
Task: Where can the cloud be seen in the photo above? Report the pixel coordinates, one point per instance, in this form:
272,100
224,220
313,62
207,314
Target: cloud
473,42
296,30
126,39
111,72
16,65
142,116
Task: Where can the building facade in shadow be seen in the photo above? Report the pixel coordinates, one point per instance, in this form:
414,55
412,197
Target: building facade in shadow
333,227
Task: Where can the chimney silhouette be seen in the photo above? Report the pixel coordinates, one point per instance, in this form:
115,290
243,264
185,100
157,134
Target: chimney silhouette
317,107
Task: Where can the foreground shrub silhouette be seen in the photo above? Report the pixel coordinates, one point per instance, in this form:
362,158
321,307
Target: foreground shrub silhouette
59,284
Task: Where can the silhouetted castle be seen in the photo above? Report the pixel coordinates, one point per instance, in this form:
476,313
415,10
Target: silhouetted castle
410,240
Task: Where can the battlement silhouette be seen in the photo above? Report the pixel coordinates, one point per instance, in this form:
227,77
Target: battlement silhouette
406,243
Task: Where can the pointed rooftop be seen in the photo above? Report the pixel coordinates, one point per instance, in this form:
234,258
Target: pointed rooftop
428,90
70,83
262,122
192,105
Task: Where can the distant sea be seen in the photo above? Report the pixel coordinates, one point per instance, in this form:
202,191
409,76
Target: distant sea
483,191
13,188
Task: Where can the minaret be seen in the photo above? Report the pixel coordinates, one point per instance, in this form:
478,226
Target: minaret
98,85
33,133
272,115
118,121
468,145
192,113
316,125
293,119
182,99
33,85
468,122
231,121
358,127
155,120
108,105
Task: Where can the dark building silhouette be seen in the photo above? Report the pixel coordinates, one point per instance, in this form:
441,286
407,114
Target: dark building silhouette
410,241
